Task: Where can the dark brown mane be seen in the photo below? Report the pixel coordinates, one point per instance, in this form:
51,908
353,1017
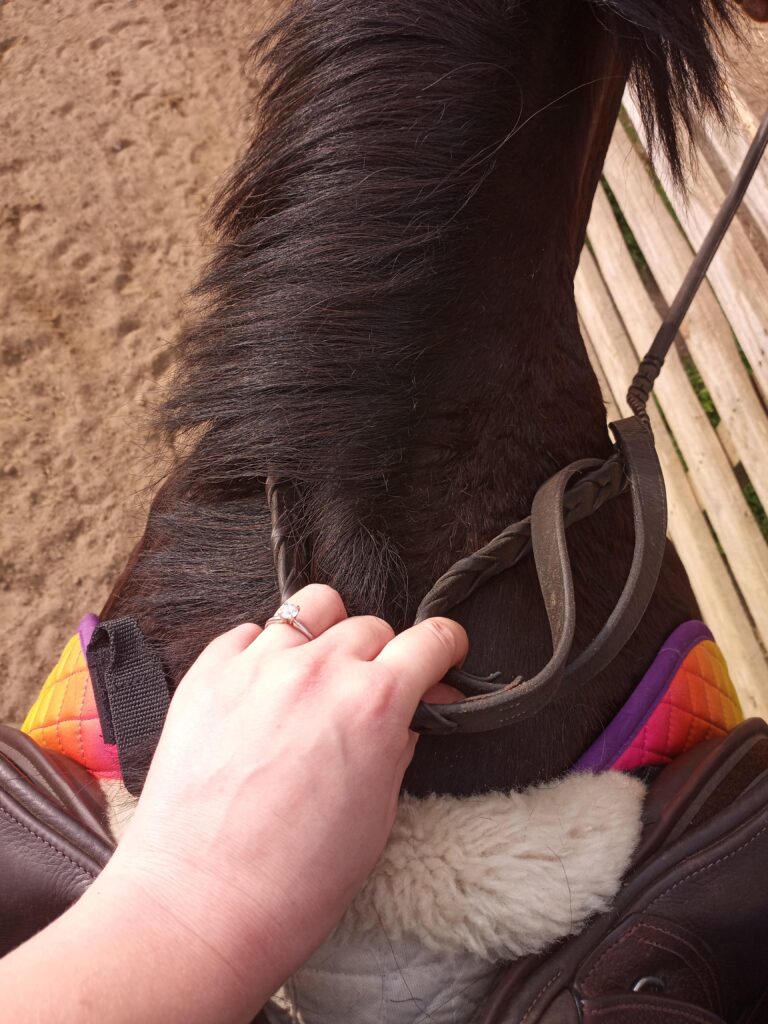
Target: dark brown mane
376,298
675,55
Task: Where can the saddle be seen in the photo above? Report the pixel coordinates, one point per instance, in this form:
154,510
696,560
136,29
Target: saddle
685,940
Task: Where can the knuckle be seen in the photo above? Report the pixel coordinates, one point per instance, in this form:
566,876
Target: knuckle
307,664
443,630
323,594
378,626
382,692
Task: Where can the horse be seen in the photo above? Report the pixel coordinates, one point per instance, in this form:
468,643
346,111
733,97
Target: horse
389,322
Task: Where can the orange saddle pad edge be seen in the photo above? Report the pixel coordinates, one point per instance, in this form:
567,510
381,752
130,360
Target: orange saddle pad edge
65,718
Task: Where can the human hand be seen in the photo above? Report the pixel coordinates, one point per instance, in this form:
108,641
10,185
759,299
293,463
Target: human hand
275,782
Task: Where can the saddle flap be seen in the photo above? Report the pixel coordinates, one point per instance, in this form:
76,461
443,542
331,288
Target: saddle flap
53,836
692,915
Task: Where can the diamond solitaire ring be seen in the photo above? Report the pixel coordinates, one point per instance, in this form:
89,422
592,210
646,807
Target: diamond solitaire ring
287,614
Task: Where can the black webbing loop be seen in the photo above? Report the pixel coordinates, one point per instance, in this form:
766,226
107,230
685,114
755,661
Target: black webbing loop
131,693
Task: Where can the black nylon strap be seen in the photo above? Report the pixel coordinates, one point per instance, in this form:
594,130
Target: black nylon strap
131,693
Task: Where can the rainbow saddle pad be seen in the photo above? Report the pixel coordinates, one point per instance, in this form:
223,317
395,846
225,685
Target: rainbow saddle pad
684,698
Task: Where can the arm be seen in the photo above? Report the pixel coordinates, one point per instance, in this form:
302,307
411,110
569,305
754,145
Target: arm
269,800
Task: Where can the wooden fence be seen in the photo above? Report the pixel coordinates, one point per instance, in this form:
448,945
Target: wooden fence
709,415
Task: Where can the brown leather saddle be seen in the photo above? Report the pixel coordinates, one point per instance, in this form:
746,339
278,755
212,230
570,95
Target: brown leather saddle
54,839
686,940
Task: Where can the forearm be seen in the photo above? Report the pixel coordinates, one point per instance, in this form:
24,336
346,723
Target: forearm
119,956
270,797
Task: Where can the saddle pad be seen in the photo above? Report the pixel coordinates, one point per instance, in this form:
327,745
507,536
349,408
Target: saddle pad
685,698
64,716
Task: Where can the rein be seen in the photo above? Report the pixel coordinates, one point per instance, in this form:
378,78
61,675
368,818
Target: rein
571,494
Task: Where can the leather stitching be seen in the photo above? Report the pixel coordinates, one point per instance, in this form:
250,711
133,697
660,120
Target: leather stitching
89,875
669,1012
706,867
537,998
618,941
674,936
700,960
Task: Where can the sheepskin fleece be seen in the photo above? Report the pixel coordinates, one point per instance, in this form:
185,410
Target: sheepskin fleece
463,886
120,806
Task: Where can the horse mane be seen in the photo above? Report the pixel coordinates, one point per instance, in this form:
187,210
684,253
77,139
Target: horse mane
675,55
346,232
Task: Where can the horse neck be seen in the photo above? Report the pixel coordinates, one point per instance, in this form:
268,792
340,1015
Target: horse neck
538,402
503,397
509,389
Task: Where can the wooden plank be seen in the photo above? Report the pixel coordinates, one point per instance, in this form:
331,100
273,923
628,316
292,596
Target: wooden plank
705,328
731,147
737,275
711,477
720,603
728,444
612,411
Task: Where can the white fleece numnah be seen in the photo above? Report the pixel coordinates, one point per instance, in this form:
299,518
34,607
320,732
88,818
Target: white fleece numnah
462,886
120,806
503,874
500,875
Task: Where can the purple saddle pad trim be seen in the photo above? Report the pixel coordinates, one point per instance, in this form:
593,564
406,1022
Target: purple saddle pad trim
85,629
614,740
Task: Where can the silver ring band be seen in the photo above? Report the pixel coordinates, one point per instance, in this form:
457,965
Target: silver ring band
287,615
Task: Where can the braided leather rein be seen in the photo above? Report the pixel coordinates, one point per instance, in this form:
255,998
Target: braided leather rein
571,494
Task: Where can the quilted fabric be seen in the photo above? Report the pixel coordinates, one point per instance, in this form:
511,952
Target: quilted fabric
699,704
64,716
685,697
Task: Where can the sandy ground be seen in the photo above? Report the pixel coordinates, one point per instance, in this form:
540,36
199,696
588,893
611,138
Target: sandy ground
116,121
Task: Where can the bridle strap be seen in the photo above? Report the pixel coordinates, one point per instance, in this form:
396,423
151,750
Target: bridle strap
582,497
522,698
286,551
570,495
650,367
649,512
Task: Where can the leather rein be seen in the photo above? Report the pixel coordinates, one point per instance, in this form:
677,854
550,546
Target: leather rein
571,494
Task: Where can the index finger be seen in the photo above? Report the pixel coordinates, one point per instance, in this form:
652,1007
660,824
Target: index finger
421,656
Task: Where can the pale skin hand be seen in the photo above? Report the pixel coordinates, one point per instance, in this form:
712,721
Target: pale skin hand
270,798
